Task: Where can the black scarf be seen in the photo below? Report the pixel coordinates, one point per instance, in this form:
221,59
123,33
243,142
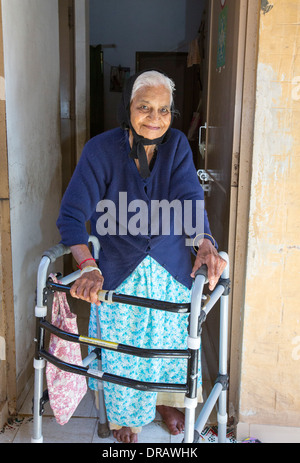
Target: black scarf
138,150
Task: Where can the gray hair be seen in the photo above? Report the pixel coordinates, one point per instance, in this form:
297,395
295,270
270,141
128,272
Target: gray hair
153,79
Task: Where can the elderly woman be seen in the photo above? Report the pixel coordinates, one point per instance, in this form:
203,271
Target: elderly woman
145,160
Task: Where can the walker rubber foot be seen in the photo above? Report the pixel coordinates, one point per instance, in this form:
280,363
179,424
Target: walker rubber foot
103,430
37,441
196,437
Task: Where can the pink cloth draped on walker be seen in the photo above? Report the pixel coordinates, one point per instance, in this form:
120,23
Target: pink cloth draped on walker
65,389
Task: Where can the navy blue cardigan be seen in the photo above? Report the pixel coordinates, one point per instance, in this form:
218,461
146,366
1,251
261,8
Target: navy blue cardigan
103,171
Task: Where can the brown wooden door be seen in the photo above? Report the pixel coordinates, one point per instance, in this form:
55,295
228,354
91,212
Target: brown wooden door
221,113
227,20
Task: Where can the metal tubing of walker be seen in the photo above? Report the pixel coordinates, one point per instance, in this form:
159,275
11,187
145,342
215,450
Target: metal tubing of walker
218,393
223,348
40,312
39,366
102,410
223,328
194,348
208,407
39,363
37,417
189,425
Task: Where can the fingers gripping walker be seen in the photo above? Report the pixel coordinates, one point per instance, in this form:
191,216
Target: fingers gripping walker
198,310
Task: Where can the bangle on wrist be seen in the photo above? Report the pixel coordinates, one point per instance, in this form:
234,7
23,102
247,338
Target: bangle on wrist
200,238
85,260
90,269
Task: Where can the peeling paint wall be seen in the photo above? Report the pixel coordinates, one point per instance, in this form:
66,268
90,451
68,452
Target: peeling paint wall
270,373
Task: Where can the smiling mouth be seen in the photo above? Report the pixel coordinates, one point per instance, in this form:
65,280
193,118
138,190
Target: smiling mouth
149,127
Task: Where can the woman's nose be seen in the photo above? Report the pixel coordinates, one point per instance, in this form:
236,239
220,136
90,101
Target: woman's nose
154,114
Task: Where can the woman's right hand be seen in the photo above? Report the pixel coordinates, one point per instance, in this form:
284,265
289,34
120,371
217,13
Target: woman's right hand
87,287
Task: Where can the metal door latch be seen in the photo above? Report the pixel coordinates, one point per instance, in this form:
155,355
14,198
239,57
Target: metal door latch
205,180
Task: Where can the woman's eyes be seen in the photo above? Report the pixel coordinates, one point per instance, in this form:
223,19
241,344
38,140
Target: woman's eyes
146,108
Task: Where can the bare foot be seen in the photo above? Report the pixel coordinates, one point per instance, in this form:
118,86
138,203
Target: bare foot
173,418
125,435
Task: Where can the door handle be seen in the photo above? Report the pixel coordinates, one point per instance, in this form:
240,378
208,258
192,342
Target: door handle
202,145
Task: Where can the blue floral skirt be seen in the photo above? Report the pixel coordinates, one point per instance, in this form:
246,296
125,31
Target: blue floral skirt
145,328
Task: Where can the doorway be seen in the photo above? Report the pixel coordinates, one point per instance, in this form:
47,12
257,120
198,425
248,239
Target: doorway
220,132
220,27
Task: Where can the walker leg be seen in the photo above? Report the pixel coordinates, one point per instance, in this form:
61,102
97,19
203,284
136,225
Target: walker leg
222,418
39,366
39,363
103,428
189,425
223,348
208,407
223,377
194,341
219,391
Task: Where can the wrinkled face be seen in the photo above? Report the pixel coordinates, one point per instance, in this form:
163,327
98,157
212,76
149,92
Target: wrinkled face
150,111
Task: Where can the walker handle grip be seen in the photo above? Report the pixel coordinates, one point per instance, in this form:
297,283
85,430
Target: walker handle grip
202,271
56,251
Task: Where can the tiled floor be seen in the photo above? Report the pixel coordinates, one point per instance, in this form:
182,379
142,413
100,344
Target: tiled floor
82,427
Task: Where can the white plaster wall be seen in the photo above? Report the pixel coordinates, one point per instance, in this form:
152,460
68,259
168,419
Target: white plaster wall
31,57
135,25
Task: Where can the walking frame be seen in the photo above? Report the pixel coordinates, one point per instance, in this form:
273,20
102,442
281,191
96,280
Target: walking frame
198,309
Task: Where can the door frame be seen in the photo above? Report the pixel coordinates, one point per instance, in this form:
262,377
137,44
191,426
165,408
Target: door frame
66,16
75,88
8,384
241,187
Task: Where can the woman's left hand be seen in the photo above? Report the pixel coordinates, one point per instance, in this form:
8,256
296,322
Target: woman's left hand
207,254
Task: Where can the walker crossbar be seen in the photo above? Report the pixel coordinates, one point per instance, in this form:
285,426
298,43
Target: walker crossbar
122,348
110,296
198,310
110,378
